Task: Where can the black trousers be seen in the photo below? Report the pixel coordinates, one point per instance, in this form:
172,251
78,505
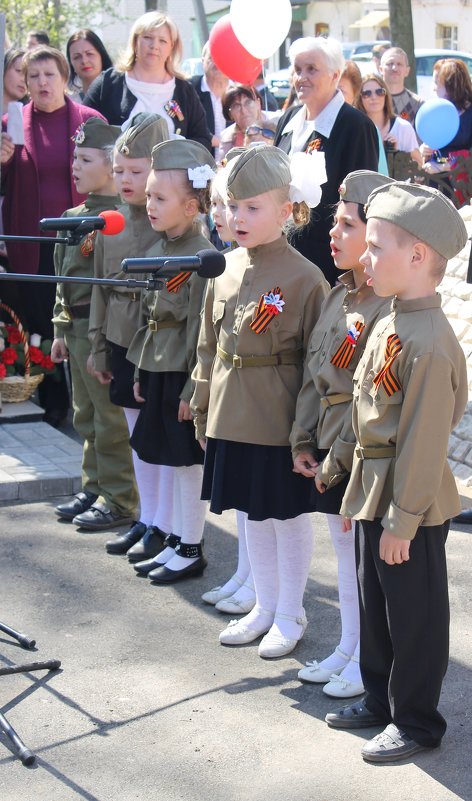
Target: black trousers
404,630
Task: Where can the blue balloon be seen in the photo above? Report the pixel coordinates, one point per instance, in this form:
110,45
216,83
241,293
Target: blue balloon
437,122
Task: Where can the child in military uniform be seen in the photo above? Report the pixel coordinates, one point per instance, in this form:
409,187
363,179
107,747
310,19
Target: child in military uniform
107,470
256,324
322,433
164,352
410,390
114,319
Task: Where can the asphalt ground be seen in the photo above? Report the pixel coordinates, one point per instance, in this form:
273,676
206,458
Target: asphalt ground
148,704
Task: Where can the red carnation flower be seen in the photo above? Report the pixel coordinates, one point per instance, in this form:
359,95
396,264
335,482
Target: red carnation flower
14,336
3,371
48,363
9,356
36,355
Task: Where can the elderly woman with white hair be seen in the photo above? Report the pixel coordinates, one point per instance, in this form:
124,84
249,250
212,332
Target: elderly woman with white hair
325,122
148,79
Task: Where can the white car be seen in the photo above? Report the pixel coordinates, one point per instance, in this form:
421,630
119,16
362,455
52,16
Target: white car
425,61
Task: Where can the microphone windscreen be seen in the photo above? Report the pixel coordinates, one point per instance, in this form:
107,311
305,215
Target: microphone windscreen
114,222
213,263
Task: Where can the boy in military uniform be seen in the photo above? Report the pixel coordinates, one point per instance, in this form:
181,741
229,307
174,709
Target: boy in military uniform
410,390
107,469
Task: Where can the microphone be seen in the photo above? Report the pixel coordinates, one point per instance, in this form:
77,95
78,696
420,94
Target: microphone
109,222
206,263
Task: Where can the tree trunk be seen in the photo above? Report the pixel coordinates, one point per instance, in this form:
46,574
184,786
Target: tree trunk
401,34
156,5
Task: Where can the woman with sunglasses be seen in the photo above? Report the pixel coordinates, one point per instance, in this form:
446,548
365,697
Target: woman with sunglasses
242,107
375,100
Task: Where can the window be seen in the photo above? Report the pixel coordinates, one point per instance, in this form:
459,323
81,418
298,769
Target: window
446,36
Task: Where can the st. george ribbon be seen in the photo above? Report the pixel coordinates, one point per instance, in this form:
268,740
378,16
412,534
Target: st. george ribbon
206,263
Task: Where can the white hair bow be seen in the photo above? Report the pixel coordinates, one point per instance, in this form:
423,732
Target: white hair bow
199,176
308,171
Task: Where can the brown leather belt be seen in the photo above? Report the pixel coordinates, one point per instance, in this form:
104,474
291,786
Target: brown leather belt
79,312
127,295
288,357
376,453
334,400
156,325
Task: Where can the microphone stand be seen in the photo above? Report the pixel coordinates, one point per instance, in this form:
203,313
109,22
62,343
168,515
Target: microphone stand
154,282
27,757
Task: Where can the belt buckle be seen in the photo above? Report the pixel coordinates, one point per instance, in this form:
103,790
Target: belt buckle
360,452
152,325
237,362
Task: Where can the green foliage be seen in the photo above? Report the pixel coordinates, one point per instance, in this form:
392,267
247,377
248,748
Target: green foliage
57,17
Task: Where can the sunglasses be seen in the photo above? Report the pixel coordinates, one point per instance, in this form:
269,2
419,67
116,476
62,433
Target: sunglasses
369,92
253,130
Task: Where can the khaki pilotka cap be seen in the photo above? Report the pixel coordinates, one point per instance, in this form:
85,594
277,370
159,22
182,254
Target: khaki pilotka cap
421,211
358,185
181,154
145,131
259,169
233,153
96,133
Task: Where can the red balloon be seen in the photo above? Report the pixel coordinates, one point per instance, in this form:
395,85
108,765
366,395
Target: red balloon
231,58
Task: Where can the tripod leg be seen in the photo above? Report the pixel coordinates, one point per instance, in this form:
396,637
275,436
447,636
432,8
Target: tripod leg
25,641
26,756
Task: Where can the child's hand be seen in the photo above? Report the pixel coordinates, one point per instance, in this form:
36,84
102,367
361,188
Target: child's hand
305,464
137,392
319,484
103,376
59,351
347,525
184,412
203,444
393,550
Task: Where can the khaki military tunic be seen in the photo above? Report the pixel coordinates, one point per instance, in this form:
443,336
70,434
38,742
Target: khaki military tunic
237,397
404,409
70,260
324,407
114,313
166,340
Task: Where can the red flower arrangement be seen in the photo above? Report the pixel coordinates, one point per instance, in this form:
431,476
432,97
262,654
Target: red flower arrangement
12,353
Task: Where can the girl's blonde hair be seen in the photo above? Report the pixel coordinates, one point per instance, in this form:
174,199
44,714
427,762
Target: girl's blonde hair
202,196
300,211
149,22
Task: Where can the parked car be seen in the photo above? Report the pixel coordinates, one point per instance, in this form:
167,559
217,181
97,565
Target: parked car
351,49
425,61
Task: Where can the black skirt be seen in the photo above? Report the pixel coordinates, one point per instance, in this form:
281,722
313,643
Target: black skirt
121,387
257,479
158,437
328,502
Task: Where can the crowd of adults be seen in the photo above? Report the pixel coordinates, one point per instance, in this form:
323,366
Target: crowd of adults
352,119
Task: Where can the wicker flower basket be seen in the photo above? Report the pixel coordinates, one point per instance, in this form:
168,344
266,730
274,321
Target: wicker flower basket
17,388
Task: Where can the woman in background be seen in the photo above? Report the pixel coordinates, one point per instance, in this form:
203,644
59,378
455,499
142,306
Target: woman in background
87,57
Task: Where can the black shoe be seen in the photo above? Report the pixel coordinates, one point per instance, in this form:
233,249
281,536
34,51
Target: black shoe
143,568
82,501
353,716
125,541
162,575
55,417
464,519
150,545
99,517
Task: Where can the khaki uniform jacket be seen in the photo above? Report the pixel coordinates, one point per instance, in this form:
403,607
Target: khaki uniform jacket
255,404
415,487
172,347
319,425
69,260
114,313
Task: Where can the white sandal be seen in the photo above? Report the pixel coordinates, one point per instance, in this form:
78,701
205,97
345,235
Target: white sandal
314,673
274,645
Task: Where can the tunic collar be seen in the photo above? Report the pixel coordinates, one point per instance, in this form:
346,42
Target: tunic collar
416,304
93,201
170,244
269,249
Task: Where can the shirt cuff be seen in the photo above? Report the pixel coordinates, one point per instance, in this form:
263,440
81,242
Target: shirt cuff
400,523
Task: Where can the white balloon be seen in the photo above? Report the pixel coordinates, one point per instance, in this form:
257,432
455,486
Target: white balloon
261,25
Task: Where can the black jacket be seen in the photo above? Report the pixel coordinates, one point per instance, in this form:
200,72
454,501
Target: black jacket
352,145
110,95
205,100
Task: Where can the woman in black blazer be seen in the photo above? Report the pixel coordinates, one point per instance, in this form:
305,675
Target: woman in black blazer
148,80
324,122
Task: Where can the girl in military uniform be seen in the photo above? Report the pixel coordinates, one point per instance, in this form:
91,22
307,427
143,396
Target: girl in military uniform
164,352
256,324
114,320
322,435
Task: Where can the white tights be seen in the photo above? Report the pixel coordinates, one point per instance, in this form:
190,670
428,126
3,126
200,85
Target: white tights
280,553
241,583
188,517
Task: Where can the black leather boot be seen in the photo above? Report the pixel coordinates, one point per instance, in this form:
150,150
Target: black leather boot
123,543
162,575
148,546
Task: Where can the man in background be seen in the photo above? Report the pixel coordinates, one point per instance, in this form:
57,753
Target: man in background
394,68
